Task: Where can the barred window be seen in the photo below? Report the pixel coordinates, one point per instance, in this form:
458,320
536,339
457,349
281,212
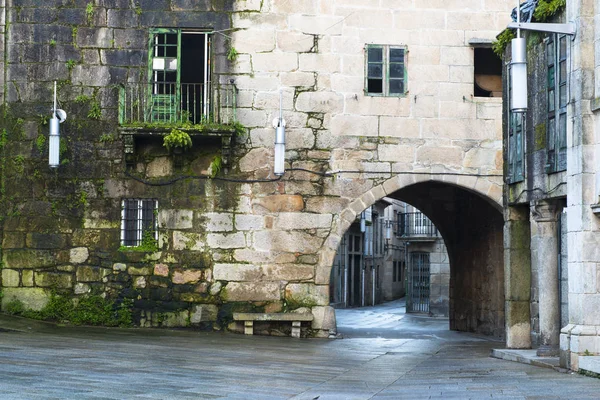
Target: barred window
138,218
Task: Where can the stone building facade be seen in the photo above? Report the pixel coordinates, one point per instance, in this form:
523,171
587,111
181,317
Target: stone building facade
380,99
552,227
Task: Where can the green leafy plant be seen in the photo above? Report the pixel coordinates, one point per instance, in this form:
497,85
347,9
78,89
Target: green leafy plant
82,98
52,42
239,128
74,35
215,166
138,9
44,119
14,307
19,163
502,41
232,54
70,64
548,8
177,138
95,110
107,138
89,12
148,244
40,143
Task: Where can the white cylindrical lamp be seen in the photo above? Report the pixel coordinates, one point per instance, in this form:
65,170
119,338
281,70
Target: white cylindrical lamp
518,78
279,165
54,143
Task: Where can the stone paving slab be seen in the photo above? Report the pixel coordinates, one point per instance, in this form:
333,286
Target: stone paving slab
50,362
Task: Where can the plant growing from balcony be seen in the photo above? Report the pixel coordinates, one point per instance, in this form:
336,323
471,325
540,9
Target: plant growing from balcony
177,139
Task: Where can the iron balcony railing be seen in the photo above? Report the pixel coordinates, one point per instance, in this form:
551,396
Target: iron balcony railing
415,225
172,103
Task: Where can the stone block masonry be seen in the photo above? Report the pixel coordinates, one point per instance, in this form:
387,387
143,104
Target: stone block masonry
244,241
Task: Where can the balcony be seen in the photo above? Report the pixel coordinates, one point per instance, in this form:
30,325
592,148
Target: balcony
153,109
416,227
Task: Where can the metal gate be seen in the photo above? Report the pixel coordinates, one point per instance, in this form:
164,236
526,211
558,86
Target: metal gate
418,283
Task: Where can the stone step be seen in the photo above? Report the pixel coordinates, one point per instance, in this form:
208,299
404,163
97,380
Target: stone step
528,356
589,365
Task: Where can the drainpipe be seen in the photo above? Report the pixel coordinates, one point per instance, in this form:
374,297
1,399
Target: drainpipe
373,277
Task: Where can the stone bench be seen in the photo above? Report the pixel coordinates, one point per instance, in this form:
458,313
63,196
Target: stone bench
295,318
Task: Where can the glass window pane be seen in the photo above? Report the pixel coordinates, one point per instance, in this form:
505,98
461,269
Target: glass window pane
551,133
562,68
551,105
375,86
551,77
171,38
563,47
562,131
375,54
397,55
396,70
375,71
171,51
396,86
562,95
550,53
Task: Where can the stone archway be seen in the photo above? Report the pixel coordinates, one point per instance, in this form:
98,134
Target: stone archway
468,213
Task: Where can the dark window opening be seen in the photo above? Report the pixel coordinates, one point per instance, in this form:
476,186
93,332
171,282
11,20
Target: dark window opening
488,73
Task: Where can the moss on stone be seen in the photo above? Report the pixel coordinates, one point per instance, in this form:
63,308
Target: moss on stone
540,136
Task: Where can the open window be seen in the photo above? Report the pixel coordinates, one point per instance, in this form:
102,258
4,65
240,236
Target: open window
488,73
179,76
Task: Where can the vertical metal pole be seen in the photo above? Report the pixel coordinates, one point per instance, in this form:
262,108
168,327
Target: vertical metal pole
206,66
346,262
518,17
373,284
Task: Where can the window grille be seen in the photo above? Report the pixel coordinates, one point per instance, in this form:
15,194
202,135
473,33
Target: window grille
138,218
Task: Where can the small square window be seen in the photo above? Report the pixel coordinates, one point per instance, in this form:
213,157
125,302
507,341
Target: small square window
385,70
138,218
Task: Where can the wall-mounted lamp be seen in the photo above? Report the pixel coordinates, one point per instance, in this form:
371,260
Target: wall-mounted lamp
58,117
518,78
279,125
363,222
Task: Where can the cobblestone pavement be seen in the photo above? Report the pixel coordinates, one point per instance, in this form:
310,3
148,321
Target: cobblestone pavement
384,355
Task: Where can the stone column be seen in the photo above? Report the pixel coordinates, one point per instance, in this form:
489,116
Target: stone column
517,277
544,257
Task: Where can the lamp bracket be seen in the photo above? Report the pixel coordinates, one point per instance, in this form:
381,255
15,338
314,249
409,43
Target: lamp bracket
567,29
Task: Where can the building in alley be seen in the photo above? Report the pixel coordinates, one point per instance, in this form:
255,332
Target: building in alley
551,192
163,201
392,251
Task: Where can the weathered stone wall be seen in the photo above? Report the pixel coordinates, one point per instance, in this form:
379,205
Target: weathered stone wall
228,245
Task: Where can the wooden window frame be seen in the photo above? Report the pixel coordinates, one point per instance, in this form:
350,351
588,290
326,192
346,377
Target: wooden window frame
386,65
557,89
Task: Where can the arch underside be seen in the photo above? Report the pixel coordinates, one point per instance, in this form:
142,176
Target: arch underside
470,220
